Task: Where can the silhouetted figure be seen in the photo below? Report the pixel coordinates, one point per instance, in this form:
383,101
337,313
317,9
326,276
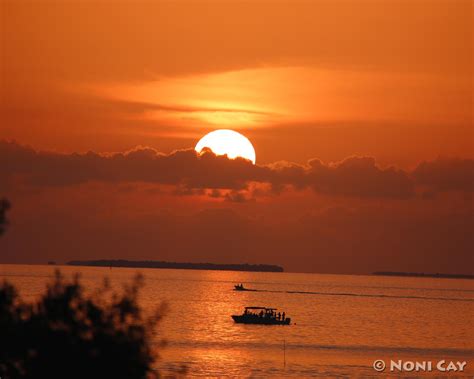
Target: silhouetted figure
261,314
283,316
279,316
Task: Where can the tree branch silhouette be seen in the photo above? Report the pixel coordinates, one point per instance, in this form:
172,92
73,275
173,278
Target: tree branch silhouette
4,207
70,334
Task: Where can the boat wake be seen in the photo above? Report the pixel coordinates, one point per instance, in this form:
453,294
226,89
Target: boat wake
365,295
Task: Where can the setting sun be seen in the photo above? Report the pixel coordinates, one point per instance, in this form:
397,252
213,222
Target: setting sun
227,142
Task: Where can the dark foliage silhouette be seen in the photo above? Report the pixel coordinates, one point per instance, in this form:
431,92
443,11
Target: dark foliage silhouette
4,207
69,334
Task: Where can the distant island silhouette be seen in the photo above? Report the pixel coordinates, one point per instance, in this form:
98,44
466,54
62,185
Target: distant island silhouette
424,275
178,265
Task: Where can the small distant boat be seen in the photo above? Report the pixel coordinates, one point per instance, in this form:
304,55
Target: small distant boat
240,287
261,316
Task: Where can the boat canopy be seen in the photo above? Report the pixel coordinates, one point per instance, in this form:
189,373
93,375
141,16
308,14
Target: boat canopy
269,309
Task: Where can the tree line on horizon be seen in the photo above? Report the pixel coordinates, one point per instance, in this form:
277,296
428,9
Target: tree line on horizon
178,265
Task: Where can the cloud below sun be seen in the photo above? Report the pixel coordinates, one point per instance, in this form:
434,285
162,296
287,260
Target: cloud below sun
188,206
206,173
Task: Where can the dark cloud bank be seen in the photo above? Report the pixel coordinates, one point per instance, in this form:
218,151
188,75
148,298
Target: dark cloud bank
190,172
398,231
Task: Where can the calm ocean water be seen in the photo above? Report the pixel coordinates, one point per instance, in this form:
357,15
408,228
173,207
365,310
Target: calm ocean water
342,323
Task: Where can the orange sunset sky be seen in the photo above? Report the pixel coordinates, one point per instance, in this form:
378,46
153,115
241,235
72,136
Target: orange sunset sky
360,113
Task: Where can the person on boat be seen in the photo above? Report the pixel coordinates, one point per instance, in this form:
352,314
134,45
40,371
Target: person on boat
261,314
278,316
283,316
